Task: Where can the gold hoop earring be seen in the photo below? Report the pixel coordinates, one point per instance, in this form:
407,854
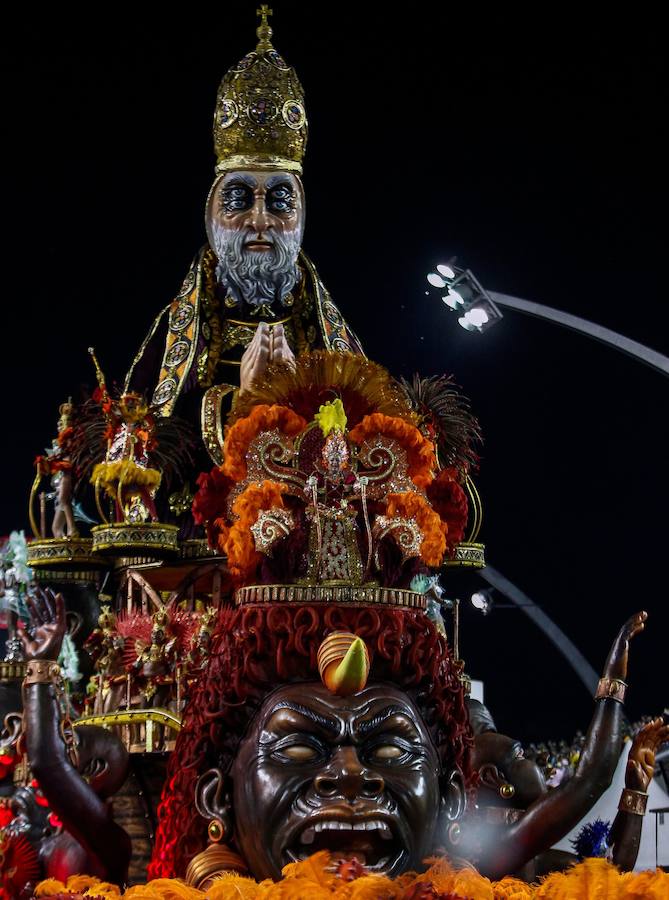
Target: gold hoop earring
454,833
216,831
215,859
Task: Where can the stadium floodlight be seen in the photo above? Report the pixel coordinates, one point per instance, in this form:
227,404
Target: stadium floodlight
465,295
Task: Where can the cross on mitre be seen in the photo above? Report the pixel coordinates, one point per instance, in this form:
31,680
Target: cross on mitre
264,11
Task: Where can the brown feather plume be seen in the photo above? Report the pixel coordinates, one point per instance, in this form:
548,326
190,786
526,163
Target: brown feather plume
445,412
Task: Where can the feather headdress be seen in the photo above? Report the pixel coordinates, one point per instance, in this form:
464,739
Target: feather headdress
445,413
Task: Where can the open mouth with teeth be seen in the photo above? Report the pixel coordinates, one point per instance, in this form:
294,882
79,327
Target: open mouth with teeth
372,842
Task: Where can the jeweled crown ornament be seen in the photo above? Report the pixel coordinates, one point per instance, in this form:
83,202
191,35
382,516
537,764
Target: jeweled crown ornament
260,122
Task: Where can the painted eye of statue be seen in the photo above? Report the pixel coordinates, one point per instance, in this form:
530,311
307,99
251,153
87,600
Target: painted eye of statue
235,198
299,753
281,198
387,753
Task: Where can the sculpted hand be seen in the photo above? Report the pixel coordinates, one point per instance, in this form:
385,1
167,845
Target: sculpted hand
641,759
47,616
255,358
616,664
280,349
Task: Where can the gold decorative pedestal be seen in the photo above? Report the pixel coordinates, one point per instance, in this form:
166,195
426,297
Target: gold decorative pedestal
61,552
141,730
120,539
356,595
468,555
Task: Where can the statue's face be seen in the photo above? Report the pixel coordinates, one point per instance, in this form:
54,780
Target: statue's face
255,222
357,775
260,205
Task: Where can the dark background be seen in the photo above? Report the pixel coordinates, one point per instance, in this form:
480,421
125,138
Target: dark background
534,148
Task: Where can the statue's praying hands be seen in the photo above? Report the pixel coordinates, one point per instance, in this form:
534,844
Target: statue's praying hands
269,345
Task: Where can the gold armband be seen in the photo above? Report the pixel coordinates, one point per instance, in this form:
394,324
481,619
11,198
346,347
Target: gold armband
611,688
633,802
41,671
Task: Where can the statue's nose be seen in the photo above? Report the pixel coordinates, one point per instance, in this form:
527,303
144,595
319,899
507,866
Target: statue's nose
346,777
259,219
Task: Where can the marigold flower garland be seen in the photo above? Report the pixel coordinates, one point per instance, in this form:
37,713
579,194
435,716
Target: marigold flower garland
314,879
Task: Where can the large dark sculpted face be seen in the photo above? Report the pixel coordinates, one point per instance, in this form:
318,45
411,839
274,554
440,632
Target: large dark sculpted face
357,775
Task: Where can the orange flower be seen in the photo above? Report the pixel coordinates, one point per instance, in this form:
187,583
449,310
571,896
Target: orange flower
410,505
237,541
419,450
239,436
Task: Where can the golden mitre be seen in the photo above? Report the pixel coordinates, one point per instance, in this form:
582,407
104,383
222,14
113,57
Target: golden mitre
260,122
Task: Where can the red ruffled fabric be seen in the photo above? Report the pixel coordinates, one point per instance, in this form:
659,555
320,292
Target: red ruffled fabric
209,502
449,500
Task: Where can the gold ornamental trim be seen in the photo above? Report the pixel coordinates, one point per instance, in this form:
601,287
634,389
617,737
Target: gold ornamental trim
257,162
197,548
467,555
211,420
61,552
12,671
182,334
89,575
475,510
132,716
358,595
121,537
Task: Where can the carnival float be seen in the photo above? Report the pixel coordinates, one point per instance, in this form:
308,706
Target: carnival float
231,669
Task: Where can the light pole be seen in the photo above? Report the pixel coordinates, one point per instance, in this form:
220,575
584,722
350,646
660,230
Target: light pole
479,309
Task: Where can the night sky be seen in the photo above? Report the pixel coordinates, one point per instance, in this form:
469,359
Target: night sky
534,149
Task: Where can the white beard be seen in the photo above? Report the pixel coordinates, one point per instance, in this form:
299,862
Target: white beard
256,277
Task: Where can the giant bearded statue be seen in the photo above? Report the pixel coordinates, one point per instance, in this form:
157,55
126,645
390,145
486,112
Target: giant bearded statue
251,295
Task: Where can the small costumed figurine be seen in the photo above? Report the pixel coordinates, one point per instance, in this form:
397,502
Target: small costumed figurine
104,647
126,475
56,465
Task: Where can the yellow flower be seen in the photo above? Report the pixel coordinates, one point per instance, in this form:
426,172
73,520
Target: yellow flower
331,415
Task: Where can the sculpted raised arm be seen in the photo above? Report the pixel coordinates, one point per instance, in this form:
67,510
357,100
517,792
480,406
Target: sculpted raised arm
625,834
552,816
84,814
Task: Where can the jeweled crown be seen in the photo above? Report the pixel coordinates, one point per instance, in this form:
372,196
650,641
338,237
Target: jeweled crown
260,122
